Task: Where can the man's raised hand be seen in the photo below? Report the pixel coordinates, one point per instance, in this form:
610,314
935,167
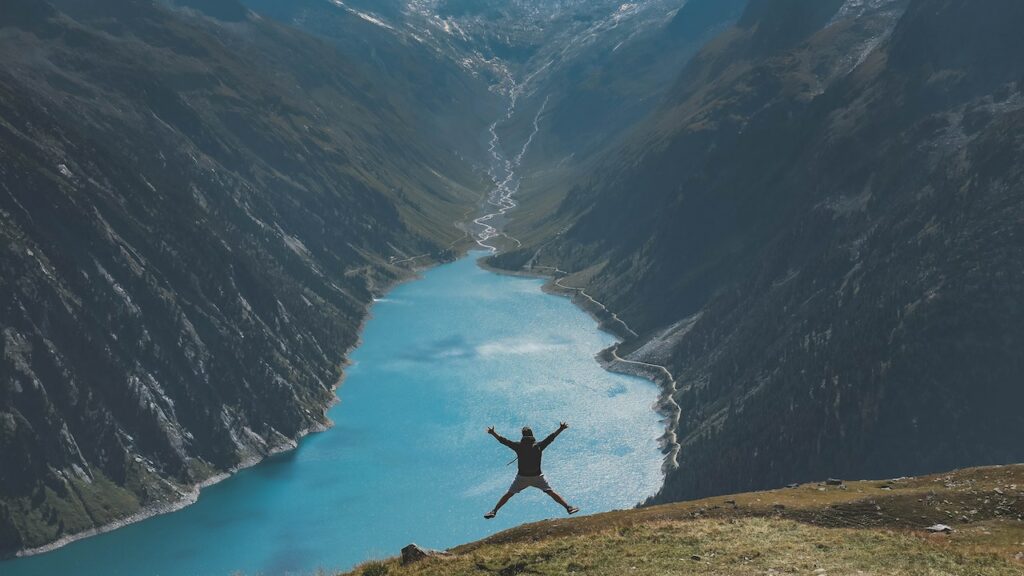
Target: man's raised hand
563,426
490,430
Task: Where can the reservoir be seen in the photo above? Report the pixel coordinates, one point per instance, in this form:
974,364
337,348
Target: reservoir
408,459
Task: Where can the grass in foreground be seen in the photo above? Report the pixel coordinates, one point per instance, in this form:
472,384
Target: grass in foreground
859,528
710,546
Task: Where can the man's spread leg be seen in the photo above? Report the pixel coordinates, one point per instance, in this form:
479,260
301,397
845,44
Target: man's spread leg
554,496
504,499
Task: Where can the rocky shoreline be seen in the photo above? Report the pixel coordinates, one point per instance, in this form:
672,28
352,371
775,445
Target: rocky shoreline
188,497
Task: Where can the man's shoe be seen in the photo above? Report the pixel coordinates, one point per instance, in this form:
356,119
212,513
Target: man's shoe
572,510
490,514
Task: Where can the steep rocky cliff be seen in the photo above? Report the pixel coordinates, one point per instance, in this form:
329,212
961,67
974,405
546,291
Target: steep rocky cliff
820,236
195,209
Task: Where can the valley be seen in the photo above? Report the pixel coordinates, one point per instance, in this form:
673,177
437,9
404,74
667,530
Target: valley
239,228
800,219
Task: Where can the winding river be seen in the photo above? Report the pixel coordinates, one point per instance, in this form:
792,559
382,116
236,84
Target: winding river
408,460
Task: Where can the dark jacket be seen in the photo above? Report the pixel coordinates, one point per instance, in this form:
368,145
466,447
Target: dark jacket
529,452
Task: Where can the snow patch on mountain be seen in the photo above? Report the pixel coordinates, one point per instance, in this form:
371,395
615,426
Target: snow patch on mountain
365,16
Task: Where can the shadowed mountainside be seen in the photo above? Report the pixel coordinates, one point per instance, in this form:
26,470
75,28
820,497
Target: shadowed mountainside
600,91
195,210
819,235
450,101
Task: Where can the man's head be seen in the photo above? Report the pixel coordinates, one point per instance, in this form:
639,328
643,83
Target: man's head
528,434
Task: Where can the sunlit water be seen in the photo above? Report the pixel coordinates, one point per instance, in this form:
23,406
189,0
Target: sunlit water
408,459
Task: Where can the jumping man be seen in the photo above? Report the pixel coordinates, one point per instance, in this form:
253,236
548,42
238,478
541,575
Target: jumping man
528,451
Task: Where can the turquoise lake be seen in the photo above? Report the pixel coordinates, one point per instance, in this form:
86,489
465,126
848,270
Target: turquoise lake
408,459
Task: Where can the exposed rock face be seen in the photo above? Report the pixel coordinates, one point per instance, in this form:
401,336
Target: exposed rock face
194,212
820,236
413,553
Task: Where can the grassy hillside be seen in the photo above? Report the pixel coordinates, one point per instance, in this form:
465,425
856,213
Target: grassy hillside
866,527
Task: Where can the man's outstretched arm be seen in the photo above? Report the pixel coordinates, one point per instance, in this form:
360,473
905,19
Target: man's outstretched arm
551,437
501,438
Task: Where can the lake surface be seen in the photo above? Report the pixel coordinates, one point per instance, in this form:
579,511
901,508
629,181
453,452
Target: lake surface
408,460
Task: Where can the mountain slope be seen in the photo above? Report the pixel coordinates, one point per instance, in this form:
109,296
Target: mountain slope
452,100
602,88
854,528
194,212
819,235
